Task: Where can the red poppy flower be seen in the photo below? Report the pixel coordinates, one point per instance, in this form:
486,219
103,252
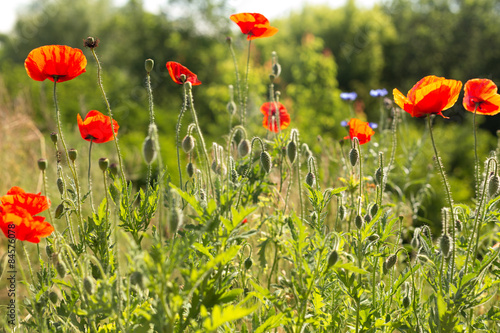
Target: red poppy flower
176,70
359,129
51,61
253,25
483,94
430,95
19,208
96,127
270,120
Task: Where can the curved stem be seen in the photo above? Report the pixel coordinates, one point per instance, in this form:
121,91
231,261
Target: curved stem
448,192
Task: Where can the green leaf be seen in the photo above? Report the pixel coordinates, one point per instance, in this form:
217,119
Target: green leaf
272,322
351,267
230,313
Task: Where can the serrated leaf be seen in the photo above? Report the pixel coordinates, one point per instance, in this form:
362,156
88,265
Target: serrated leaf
230,313
272,322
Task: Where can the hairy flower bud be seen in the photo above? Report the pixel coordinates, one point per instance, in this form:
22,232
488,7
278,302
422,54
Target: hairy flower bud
374,209
53,137
188,143
406,301
248,263
113,168
89,285
175,220
342,212
149,150
359,221
310,179
265,161
53,297
291,151
231,107
368,218
378,176
59,211
390,262
333,257
353,156
60,185
445,244
190,169
493,185
49,249
244,148
61,268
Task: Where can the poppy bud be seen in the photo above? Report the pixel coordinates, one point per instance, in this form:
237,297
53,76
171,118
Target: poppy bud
113,168
353,156
49,249
136,278
291,151
149,65
59,210
202,195
248,263
374,209
53,137
61,268
373,238
445,244
214,166
276,69
42,164
406,301
310,179
368,218
390,262
221,169
231,107
73,154
342,211
103,164
415,242
91,42
493,185
188,143
244,148
149,150
175,219
314,217
53,297
359,221
190,169
265,161
423,258
378,176
60,185
333,257
89,285
229,40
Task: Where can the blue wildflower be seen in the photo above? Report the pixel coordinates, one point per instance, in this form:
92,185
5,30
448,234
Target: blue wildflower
348,96
378,92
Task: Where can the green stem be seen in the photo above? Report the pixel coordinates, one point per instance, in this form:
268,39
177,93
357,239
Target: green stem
447,189
90,179
476,160
244,111
237,78
177,131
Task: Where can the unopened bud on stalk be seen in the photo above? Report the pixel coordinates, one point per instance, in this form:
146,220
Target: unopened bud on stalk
149,65
190,169
276,66
342,212
60,185
353,156
458,225
59,211
310,179
493,185
406,301
91,42
234,175
113,168
53,297
333,257
445,244
248,263
73,154
373,238
42,164
53,137
89,285
359,221
188,143
231,107
103,164
374,209
291,151
368,218
61,268
390,262
265,161
49,249
229,40
149,150
378,176
244,148
314,216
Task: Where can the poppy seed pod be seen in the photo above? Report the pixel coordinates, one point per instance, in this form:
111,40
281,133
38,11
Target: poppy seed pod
244,148
493,185
333,257
291,151
73,154
265,161
353,156
89,285
53,137
42,164
149,150
60,185
310,179
374,209
190,169
103,164
445,244
188,143
149,65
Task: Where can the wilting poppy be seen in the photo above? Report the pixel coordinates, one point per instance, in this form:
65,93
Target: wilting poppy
430,95
18,211
55,61
96,127
254,25
361,130
378,92
176,70
481,96
270,121
348,96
